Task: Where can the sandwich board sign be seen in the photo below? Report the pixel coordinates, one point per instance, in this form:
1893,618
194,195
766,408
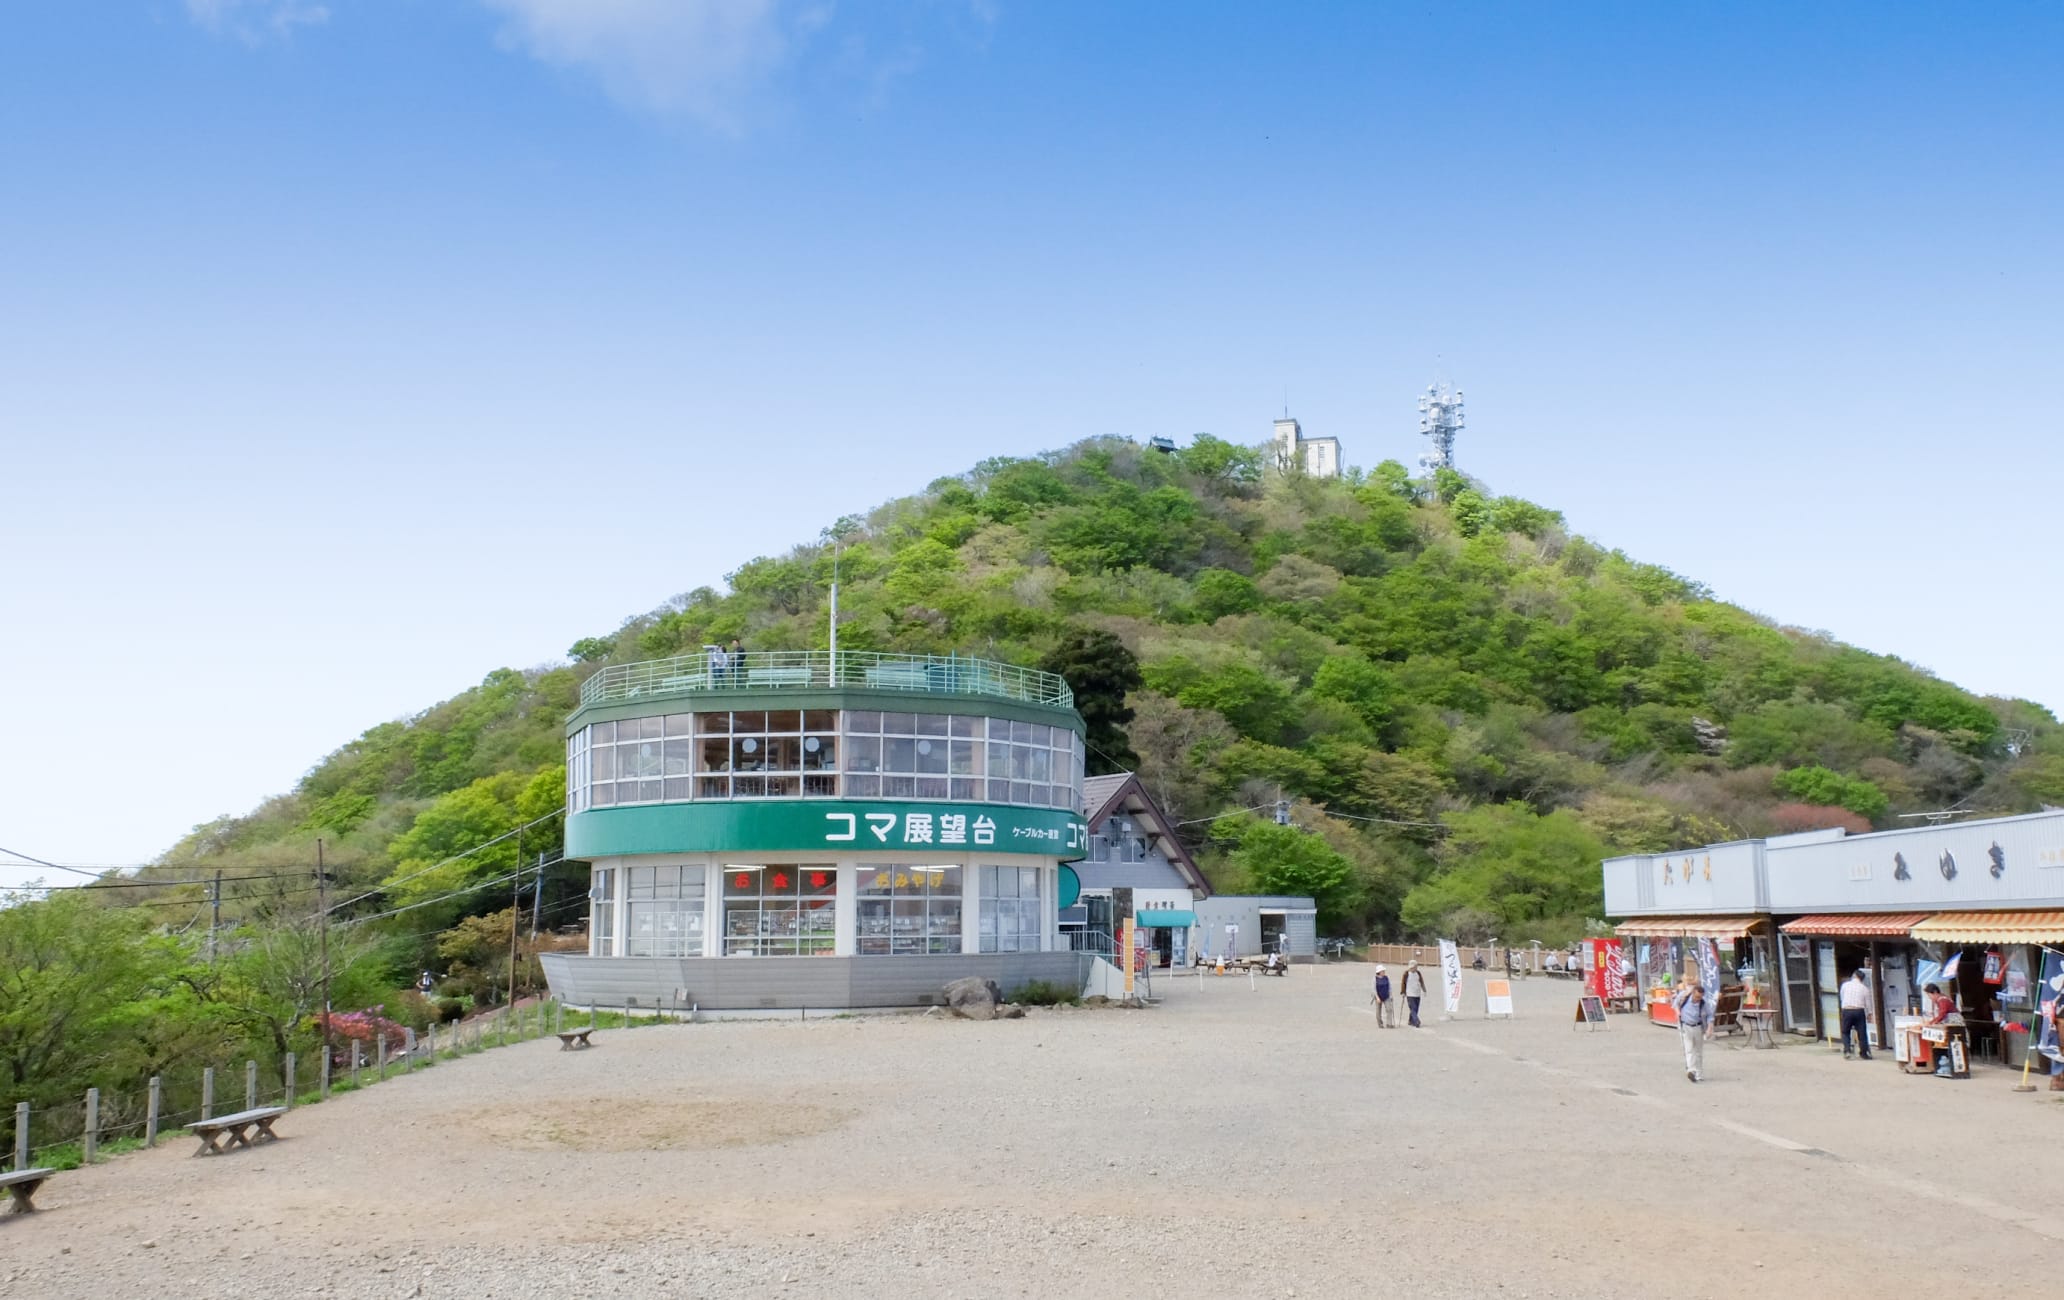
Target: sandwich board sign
1497,996
1590,1011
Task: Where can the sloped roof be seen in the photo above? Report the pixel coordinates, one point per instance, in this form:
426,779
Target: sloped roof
1097,791
1105,796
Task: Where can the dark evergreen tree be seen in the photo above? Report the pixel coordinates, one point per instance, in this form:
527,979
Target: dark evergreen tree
1102,672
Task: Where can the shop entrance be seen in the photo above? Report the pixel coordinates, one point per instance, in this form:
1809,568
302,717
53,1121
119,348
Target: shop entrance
1798,984
1275,928
1835,959
1977,999
1163,940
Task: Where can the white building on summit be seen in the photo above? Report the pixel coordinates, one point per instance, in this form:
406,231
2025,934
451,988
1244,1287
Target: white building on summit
1318,457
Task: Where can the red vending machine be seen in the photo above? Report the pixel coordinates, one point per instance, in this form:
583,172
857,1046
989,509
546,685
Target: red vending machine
1605,969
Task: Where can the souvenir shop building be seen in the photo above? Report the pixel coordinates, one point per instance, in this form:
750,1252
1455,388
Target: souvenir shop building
804,830
1968,905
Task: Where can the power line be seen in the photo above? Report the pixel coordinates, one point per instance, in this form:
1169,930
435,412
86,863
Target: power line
464,889
390,884
161,884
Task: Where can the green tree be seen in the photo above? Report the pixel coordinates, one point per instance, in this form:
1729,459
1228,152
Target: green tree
1221,592
1820,786
1287,860
1102,672
1394,479
1538,875
1220,461
466,839
1471,512
74,977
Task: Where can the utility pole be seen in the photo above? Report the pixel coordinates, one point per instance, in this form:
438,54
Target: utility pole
322,904
515,911
214,915
537,895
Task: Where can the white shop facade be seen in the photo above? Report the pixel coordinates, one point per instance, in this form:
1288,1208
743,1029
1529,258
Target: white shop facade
1976,907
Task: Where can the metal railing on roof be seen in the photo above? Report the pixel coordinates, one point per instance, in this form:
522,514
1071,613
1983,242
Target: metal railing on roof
801,670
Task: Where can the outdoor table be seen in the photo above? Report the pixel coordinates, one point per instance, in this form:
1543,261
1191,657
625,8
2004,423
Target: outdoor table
1757,1021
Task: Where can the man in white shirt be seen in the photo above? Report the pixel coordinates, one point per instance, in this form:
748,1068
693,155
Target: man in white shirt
1856,1000
1695,1026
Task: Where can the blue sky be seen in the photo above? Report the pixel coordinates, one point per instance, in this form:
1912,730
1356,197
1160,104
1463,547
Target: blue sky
351,350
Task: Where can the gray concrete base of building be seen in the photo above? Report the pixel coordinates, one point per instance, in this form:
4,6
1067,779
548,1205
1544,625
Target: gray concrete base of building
794,983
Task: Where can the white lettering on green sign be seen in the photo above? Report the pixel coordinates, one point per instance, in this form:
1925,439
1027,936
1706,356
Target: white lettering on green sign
933,828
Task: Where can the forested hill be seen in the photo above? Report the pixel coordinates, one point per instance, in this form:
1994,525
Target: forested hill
1468,705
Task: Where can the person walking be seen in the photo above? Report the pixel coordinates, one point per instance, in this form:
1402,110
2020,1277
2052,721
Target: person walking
1856,1000
1694,1026
1385,1018
1415,989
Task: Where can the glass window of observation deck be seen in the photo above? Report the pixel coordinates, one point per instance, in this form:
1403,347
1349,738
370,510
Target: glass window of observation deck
766,754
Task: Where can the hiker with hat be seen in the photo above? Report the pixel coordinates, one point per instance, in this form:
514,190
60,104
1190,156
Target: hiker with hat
1386,1016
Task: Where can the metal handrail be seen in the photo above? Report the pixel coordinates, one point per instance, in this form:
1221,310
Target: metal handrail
1096,942
789,670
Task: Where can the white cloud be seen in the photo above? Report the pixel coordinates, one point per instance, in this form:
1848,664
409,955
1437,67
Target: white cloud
698,58
252,21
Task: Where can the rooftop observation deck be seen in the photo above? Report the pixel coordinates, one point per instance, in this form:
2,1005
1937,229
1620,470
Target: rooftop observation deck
804,670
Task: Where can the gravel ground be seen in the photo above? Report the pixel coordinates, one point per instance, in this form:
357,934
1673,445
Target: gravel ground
1264,1141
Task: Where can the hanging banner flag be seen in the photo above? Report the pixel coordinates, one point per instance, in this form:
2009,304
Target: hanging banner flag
1451,975
2046,994
1709,970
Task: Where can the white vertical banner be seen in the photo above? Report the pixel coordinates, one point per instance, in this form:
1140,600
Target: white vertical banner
1451,975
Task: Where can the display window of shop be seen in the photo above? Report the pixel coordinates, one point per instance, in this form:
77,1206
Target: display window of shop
905,911
1012,909
602,913
780,911
663,909
1743,971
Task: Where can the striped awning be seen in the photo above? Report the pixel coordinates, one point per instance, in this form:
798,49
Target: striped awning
1992,927
1689,927
1878,925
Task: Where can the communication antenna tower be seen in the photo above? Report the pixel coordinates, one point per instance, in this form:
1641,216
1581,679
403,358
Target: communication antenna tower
1440,419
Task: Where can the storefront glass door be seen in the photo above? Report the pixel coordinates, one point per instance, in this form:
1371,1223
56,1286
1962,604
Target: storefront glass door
1798,984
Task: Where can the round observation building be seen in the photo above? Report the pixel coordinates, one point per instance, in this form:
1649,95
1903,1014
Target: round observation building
806,829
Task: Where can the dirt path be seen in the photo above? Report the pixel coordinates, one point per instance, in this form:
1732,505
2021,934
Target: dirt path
1263,1141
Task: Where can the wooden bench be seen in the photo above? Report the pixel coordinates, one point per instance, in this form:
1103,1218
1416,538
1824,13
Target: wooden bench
246,1128
22,1183
575,1040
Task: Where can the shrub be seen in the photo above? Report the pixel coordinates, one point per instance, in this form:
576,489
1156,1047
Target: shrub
449,1010
1045,993
1818,785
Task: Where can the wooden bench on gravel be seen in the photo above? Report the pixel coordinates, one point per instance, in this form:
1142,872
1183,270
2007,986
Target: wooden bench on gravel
575,1040
246,1128
22,1183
